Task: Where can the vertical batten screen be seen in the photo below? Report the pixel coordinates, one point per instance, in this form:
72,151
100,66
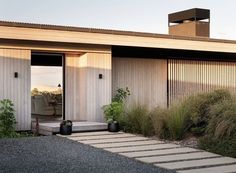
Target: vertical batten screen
187,77
146,79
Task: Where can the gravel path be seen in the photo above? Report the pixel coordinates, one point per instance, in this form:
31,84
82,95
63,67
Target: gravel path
56,154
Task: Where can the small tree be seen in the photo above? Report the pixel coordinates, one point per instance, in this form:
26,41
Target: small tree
7,118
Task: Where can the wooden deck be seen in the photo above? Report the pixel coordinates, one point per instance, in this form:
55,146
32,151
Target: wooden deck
52,127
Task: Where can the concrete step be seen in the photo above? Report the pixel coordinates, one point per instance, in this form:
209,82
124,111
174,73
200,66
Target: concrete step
142,148
177,157
100,141
110,136
217,169
127,144
99,133
196,163
158,152
50,128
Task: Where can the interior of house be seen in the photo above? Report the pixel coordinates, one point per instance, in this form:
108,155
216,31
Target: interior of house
47,86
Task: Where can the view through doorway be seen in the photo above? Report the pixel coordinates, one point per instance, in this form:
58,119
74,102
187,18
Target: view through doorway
47,86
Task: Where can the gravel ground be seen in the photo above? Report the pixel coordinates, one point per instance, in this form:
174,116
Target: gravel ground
56,154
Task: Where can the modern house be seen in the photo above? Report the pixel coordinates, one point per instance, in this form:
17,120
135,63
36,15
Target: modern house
158,69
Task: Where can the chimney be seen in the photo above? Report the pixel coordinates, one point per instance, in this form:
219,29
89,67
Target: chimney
192,23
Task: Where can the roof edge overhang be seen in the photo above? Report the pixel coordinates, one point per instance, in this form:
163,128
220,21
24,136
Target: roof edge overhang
52,33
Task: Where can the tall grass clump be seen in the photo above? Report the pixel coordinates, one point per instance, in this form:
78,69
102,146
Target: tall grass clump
170,123
138,120
198,107
159,118
178,122
220,136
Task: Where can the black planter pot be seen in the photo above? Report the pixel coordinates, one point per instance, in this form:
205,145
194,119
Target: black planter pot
66,128
113,127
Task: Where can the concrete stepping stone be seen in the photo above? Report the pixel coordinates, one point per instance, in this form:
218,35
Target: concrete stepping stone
79,138
142,148
217,169
158,152
100,141
176,157
95,133
127,144
197,163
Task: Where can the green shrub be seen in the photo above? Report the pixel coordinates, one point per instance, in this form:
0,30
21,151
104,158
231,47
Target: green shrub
113,111
121,95
159,118
138,120
225,146
7,119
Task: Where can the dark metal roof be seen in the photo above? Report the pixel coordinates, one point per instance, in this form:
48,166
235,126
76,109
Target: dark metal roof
107,31
192,14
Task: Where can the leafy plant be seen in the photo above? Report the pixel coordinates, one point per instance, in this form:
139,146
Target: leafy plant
121,95
7,119
113,111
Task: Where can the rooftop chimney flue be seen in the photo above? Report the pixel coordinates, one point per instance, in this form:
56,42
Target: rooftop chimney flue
192,23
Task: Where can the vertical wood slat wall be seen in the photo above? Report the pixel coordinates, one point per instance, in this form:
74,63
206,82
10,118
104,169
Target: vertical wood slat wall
17,89
187,77
85,93
75,84
146,79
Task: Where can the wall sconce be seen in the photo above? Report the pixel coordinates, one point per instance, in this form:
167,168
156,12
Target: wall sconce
100,76
16,74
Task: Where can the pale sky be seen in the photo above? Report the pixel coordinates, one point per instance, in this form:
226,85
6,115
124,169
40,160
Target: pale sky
132,15
46,78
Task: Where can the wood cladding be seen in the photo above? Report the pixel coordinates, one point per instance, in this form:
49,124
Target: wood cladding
17,89
146,79
186,77
85,93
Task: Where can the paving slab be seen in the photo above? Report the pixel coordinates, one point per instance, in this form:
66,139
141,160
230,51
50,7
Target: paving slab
159,152
142,148
100,141
217,169
176,157
95,133
197,163
125,144
79,138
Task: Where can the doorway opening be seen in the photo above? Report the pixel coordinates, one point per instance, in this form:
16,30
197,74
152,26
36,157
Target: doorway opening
47,86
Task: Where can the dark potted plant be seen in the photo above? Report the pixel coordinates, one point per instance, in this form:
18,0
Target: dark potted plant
66,127
113,113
